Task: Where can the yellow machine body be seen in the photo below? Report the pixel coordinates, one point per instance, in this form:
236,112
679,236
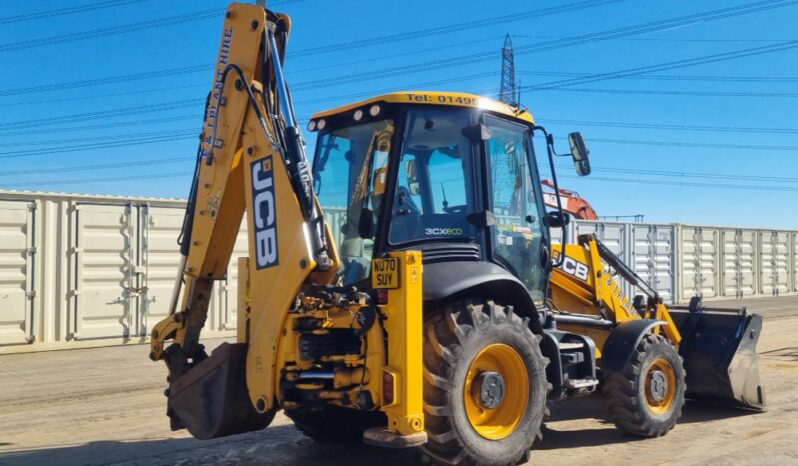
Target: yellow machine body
307,342
583,285
718,345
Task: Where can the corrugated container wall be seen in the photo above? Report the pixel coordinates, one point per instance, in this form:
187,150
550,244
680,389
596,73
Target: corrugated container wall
81,270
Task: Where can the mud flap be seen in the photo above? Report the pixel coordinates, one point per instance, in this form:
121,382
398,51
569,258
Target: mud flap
211,398
719,351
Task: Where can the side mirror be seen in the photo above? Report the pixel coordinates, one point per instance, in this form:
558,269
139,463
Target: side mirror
580,154
556,220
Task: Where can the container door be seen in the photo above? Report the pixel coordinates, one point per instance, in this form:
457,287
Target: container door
775,271
738,263
652,257
101,262
16,272
795,262
158,262
699,258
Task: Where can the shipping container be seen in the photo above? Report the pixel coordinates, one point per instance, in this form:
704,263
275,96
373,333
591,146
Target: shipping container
79,270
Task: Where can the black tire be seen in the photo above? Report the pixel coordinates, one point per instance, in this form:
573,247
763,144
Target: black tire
453,338
331,424
626,391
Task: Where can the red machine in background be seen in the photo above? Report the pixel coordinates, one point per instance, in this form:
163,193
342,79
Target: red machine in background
571,202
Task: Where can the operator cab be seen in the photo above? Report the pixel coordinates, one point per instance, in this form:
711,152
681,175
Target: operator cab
453,175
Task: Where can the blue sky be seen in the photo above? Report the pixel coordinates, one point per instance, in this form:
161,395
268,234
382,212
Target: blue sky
647,144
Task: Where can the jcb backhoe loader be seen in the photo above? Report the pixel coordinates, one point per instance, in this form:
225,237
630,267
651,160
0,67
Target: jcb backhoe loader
395,292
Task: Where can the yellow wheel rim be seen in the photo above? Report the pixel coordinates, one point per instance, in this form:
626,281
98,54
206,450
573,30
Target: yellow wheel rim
496,391
660,386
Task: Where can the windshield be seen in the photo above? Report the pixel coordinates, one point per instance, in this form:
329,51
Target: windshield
350,172
434,191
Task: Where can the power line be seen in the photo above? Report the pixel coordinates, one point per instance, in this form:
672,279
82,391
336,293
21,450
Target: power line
685,184
121,29
66,11
780,95
102,126
439,64
696,144
393,56
317,50
729,129
458,27
722,176
103,96
667,66
109,31
688,174
183,70
206,67
573,41
121,137
768,79
125,111
666,39
395,88
96,180
142,163
86,147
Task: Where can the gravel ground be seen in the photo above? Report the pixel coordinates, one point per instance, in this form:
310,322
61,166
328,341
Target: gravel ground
105,406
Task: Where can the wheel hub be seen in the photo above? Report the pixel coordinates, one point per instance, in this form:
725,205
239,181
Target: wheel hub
491,389
659,385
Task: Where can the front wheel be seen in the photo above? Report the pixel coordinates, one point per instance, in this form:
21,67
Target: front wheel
646,399
484,385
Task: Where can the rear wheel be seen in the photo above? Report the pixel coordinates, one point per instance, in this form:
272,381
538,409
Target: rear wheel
646,399
332,424
484,385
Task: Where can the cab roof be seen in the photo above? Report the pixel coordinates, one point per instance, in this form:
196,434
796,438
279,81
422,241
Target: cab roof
453,99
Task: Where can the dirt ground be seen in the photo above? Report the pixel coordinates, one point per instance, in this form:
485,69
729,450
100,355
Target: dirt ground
106,406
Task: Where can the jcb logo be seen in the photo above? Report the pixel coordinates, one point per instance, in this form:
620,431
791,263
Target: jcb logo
573,267
264,212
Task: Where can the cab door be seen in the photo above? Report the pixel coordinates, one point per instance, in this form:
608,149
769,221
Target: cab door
519,241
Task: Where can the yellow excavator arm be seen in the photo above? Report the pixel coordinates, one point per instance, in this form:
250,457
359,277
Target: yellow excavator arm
250,158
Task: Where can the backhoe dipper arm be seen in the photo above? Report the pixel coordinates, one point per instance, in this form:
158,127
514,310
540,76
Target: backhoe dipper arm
251,156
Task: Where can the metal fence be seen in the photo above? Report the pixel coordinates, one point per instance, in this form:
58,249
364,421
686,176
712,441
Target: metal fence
81,270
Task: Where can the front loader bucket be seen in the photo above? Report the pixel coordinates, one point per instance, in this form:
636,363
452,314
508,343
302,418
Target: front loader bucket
719,351
211,399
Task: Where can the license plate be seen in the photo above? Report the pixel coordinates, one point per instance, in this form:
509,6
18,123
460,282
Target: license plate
385,273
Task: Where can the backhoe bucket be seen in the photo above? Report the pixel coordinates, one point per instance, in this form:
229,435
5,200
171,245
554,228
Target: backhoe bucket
211,399
719,351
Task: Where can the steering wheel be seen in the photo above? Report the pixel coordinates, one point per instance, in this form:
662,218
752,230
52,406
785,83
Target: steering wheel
455,209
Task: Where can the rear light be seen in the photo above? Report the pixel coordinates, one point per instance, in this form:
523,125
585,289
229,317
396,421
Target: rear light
387,388
382,296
